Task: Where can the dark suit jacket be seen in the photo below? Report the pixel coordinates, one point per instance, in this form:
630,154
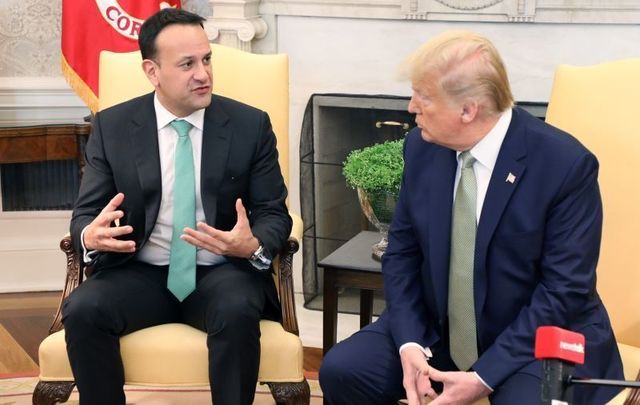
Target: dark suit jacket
239,160
537,247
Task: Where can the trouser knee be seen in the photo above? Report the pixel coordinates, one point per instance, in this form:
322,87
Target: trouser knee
236,315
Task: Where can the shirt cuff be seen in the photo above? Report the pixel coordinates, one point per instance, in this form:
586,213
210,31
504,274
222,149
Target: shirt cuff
425,350
482,381
87,256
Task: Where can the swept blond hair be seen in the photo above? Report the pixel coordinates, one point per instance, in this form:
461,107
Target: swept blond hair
464,65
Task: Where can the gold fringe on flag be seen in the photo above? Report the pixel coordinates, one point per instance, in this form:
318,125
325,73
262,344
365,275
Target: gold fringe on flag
79,86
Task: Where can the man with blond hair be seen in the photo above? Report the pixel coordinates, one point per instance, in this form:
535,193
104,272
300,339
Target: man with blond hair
496,232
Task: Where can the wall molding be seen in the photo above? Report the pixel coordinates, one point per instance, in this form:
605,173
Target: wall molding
382,9
514,11
26,101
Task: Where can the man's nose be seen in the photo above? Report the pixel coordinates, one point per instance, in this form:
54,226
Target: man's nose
412,107
201,72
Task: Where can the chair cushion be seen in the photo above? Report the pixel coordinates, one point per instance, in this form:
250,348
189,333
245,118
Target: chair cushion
176,354
631,362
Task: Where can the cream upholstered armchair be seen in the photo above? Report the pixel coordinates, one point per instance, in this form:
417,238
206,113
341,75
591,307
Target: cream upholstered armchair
599,105
150,356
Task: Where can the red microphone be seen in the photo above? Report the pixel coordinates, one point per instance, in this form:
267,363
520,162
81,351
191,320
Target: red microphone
560,350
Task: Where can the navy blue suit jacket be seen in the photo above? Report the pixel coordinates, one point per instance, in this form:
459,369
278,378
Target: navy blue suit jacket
537,247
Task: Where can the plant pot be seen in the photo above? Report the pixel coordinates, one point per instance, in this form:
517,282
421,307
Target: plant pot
378,206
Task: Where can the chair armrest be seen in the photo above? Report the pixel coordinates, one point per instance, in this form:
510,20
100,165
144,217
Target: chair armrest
297,228
73,279
285,276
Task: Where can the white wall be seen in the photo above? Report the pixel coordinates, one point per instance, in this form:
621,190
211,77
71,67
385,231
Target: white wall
30,258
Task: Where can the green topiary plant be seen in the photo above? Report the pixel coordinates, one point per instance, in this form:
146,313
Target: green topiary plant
375,168
376,172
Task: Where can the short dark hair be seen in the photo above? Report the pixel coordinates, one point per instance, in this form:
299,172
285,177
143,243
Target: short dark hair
159,21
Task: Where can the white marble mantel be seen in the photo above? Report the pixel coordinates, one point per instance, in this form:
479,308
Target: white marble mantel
542,11
238,23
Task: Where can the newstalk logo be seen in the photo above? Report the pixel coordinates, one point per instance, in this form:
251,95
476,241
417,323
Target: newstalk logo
572,347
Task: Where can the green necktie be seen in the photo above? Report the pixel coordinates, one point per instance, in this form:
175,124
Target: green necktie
462,319
182,263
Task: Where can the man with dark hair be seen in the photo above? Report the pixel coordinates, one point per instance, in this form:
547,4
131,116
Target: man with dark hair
161,219
496,232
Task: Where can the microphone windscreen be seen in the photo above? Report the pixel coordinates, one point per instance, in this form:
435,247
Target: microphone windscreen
557,343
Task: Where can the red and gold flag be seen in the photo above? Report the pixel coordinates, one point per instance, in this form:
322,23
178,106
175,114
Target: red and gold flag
91,26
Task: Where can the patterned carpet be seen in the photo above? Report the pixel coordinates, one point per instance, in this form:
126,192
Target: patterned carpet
17,389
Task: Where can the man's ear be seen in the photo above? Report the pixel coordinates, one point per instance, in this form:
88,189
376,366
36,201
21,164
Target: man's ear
469,111
150,69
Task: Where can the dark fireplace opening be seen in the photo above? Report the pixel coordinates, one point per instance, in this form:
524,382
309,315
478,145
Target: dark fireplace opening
39,186
333,126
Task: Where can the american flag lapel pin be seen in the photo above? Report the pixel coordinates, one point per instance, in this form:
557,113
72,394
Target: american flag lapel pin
511,178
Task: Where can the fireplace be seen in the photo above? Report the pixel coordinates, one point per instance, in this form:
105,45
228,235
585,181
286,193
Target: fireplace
333,126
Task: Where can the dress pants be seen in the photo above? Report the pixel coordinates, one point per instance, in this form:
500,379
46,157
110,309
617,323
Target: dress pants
366,369
228,304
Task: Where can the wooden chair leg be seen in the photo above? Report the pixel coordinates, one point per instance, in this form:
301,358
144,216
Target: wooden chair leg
290,393
52,392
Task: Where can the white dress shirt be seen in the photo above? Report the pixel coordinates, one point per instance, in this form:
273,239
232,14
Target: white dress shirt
486,153
158,247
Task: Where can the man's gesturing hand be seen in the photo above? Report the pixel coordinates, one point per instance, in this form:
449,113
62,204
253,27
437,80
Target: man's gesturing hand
238,242
101,236
415,379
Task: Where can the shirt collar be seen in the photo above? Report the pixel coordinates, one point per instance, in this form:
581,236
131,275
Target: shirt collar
164,117
486,151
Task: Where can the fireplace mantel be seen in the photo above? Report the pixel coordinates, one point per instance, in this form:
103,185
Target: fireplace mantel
238,22
529,11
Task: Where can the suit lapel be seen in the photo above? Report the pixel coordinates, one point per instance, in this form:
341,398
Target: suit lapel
216,142
505,178
440,204
144,139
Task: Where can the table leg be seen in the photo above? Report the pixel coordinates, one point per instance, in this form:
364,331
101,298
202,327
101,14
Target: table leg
329,310
366,307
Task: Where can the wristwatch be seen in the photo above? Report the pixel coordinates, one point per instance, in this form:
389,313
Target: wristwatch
256,255
259,258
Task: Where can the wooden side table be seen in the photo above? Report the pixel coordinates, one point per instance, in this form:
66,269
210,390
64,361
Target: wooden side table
349,266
